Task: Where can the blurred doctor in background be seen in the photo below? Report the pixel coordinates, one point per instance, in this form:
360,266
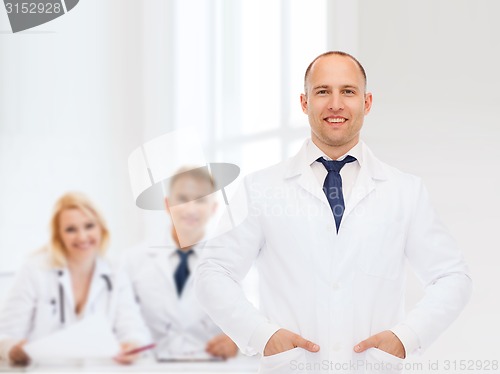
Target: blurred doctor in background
162,275
68,280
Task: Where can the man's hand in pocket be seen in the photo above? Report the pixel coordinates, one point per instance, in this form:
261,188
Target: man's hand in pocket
386,341
284,340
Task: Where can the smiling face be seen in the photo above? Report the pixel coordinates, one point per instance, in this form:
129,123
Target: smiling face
335,103
80,234
190,206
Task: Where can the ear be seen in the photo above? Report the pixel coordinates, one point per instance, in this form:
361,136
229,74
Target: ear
167,205
368,102
303,102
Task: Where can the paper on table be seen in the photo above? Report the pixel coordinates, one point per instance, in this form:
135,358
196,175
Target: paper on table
185,357
91,337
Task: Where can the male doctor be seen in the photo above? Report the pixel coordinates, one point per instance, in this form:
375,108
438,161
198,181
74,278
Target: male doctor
330,230
162,278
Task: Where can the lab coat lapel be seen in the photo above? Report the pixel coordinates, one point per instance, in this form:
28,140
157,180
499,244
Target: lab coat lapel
371,171
308,182
363,187
98,284
160,248
190,314
161,285
298,167
164,267
68,299
174,306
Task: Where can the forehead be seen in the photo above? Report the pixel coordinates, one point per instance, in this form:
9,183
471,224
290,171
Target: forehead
75,214
333,70
190,184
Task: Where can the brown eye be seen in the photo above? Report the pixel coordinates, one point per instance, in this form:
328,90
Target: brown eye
90,226
69,229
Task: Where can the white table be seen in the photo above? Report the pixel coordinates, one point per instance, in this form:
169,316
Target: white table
239,365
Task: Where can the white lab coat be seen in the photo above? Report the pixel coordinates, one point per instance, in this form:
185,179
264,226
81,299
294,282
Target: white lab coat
179,326
333,289
33,308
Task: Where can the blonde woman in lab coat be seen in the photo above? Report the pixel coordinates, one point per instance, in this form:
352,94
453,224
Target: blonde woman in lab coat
162,274
68,280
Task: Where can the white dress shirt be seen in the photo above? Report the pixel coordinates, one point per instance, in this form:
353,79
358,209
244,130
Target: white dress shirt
348,173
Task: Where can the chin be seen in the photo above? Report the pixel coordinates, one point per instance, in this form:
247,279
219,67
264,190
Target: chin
85,252
189,230
337,142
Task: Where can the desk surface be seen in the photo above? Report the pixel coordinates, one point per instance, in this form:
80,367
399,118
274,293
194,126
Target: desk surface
240,364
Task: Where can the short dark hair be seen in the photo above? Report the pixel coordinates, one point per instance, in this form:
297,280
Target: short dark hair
338,53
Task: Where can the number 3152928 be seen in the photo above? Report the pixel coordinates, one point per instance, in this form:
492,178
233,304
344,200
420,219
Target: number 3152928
33,8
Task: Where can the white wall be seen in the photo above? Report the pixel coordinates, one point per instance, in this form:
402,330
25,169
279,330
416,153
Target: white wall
433,69
71,111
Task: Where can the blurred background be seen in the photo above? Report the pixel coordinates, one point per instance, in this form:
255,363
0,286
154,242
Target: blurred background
80,93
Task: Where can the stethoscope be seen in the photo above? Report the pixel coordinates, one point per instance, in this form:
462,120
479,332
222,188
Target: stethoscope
60,273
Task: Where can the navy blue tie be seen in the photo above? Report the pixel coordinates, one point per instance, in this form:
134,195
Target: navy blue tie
182,272
332,187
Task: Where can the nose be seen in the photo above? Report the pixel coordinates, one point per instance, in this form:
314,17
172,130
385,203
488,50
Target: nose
190,207
336,103
81,235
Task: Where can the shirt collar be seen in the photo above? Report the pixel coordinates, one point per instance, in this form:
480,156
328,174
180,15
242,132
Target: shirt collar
313,153
302,161
196,249
168,245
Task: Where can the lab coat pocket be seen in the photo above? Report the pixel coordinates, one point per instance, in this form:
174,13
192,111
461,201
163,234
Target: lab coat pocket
381,362
284,362
382,250
48,310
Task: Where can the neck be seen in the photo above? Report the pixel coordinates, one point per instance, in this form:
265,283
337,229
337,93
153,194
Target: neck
188,239
81,267
335,151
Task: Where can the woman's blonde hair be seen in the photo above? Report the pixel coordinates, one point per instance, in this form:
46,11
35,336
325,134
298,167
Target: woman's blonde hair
73,200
